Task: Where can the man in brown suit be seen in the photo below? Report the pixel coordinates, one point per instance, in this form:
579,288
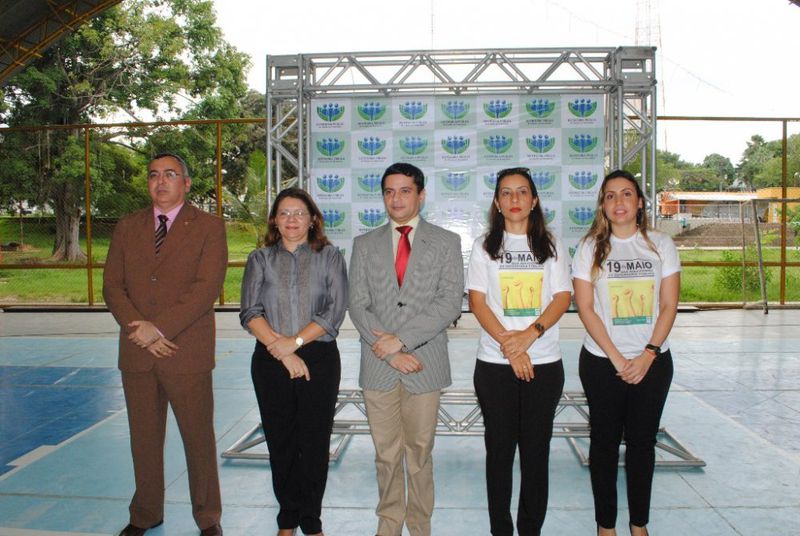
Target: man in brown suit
163,273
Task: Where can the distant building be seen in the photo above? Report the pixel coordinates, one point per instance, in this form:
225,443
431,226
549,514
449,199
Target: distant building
771,213
723,205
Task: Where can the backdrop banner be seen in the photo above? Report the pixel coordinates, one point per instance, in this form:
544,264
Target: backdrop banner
460,143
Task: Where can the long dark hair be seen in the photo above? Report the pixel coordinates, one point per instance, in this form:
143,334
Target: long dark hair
316,233
600,231
540,241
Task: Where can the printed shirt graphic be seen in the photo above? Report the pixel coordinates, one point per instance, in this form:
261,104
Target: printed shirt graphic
626,292
521,280
518,289
631,283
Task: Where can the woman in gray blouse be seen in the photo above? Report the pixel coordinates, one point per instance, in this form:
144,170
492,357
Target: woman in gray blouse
294,296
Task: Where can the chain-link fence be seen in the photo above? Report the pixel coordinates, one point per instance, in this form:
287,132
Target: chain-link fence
719,250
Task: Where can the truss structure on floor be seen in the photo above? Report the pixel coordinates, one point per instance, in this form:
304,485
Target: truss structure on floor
460,415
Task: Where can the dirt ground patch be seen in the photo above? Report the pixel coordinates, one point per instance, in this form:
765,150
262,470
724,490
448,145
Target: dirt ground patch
730,235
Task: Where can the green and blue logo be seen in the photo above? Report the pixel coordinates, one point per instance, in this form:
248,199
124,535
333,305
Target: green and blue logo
540,108
543,180
582,180
582,107
412,110
413,145
540,143
372,145
329,112
330,146
371,111
455,144
582,143
455,181
333,217
370,182
581,215
497,144
490,180
455,110
497,108
372,217
330,183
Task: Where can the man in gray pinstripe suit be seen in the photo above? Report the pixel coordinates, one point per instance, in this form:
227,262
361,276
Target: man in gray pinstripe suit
402,304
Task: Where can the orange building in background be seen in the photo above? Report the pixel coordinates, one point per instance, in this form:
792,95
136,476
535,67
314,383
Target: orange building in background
724,204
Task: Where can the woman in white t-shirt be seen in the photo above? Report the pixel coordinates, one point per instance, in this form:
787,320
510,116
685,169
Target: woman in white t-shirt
627,282
519,287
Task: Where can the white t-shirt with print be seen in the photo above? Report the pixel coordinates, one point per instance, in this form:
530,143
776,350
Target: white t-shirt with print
518,289
626,291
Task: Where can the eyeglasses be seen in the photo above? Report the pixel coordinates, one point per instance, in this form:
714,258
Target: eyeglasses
168,174
286,214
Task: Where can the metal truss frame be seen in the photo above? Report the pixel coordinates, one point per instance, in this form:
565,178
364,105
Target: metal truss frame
625,75
460,415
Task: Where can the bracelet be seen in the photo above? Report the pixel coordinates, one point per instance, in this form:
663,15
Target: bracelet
540,328
653,348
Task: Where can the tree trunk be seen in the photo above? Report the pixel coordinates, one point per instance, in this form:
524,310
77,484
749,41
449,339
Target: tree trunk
67,246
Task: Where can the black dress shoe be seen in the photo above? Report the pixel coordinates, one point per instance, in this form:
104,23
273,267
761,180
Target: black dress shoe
213,530
133,530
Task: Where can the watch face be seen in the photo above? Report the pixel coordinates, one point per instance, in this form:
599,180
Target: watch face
299,341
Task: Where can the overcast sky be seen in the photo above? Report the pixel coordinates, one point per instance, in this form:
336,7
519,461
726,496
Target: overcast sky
715,58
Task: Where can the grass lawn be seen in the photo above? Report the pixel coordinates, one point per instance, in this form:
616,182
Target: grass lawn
61,285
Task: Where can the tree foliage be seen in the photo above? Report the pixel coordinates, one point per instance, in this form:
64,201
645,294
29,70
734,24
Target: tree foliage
163,58
755,158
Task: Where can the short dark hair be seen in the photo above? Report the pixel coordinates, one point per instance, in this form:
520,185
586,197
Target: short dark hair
181,161
316,234
401,168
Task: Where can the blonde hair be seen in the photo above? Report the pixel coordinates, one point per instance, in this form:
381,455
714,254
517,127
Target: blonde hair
600,231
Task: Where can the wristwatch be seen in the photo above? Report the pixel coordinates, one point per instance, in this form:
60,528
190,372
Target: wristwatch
539,327
654,348
299,341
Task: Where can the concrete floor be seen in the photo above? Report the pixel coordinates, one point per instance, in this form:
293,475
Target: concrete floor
65,464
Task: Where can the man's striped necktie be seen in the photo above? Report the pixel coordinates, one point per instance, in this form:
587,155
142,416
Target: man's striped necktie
161,232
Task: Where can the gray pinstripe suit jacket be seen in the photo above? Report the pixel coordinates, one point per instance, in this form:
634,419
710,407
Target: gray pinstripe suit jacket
418,313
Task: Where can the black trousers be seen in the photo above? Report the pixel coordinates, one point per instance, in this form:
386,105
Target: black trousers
617,408
518,414
297,416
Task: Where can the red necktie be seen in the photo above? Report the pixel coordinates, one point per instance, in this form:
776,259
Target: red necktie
403,252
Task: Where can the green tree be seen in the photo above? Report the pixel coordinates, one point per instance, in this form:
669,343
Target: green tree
754,158
249,206
722,167
771,172
698,179
668,169
167,57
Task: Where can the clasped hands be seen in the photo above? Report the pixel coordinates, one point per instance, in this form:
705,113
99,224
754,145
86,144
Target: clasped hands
514,344
283,349
389,345
145,335
634,370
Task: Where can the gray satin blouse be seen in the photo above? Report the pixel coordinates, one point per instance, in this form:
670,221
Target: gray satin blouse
291,289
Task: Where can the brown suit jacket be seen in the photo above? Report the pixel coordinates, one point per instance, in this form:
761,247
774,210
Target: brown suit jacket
175,291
